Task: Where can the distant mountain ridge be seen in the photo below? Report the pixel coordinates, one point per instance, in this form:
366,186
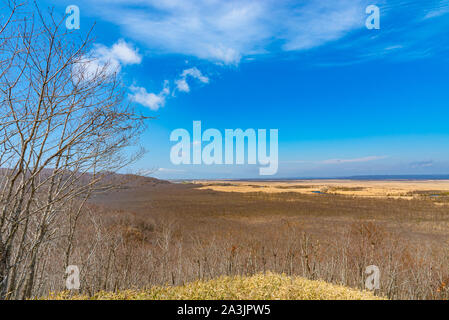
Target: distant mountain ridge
107,177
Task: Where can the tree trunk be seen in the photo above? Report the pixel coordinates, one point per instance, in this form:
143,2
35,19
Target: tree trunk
3,271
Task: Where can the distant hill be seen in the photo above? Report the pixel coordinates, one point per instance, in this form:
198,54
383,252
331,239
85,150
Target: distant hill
108,179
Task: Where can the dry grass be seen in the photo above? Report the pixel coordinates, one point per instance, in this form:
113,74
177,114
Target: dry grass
379,189
267,286
163,235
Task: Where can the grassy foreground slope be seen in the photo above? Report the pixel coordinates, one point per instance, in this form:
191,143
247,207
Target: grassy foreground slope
268,286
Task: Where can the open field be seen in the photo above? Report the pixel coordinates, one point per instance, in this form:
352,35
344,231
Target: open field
156,234
405,189
421,215
153,233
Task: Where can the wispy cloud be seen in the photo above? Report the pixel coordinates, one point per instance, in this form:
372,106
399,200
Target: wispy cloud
155,101
338,161
150,100
194,73
441,8
365,159
319,22
422,164
226,31
170,170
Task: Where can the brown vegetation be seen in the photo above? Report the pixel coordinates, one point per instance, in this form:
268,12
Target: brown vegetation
160,233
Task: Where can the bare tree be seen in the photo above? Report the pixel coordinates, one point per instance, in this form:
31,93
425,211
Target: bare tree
64,128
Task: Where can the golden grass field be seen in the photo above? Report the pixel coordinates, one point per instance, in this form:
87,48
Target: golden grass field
379,189
269,286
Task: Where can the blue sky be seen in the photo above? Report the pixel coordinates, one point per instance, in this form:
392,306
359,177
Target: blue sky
346,100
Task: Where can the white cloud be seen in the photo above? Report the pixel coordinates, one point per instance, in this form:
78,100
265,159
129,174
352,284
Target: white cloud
422,164
170,170
150,100
338,161
226,31
124,53
182,85
320,22
440,9
227,56
155,101
395,47
365,159
87,69
106,61
194,73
